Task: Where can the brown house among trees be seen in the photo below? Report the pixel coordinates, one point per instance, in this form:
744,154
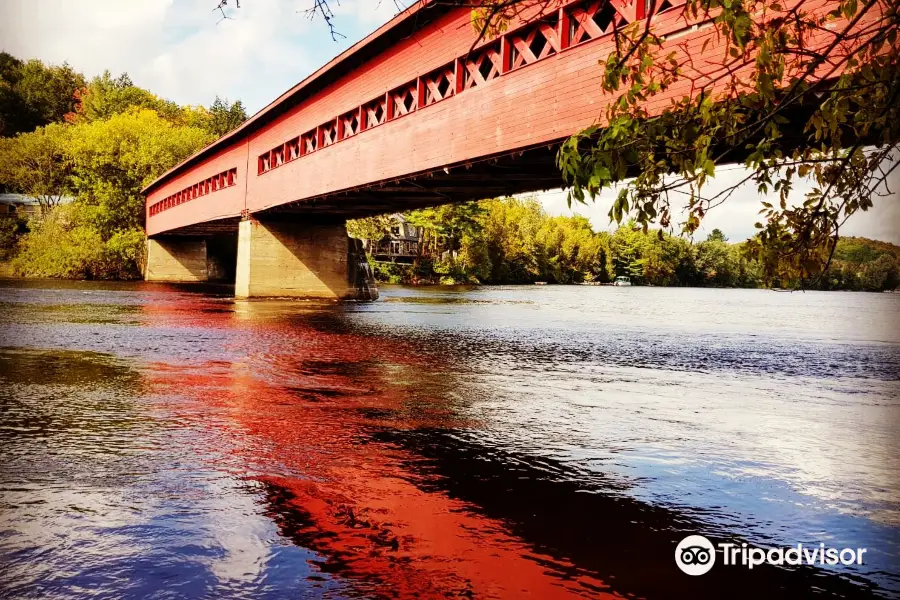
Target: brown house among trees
401,245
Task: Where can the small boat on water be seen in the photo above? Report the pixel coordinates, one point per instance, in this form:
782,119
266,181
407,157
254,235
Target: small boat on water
622,280
540,283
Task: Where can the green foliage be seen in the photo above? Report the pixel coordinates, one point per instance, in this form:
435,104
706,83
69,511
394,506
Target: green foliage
67,245
863,264
510,230
716,235
113,159
38,164
106,96
34,94
502,241
11,229
115,139
515,241
446,225
100,235
370,229
804,94
225,116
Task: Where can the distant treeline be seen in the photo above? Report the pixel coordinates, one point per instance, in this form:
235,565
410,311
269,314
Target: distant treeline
512,240
84,149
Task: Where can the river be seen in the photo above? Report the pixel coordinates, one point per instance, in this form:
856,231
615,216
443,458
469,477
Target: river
499,442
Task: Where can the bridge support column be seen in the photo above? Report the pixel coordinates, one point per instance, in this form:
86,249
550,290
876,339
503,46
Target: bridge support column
301,260
176,259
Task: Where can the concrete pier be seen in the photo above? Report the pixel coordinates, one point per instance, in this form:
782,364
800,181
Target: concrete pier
301,260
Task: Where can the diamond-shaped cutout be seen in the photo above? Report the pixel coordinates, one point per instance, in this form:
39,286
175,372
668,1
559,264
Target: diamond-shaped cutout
409,100
309,142
443,85
605,16
485,67
354,123
538,43
379,113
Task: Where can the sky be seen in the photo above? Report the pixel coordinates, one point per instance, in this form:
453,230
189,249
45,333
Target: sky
185,51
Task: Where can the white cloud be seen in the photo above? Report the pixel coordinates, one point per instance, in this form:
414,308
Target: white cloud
88,34
181,49
254,57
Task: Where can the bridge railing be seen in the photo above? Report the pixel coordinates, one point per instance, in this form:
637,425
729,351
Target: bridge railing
192,192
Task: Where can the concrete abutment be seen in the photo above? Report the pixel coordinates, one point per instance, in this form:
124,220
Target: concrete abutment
187,259
176,259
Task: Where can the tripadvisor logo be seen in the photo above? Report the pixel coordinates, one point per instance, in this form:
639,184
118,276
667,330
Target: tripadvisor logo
696,555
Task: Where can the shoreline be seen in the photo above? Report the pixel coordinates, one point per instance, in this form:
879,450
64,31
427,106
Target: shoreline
6,274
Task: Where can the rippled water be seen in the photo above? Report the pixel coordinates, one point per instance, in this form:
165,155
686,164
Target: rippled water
547,441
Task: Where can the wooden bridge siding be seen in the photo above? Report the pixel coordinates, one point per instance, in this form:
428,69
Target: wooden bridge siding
442,41
223,203
540,102
537,103
428,49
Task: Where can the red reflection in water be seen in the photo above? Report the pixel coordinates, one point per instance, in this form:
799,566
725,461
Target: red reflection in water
303,404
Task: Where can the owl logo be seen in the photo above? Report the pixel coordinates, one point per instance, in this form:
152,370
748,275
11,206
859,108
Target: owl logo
695,555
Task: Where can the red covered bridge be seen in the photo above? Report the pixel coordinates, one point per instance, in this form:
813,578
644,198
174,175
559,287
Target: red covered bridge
411,116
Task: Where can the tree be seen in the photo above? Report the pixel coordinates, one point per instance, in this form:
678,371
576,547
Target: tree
225,116
105,96
107,162
446,225
49,91
716,264
15,116
113,159
716,235
101,143
370,229
11,229
38,164
510,229
33,94
571,252
793,93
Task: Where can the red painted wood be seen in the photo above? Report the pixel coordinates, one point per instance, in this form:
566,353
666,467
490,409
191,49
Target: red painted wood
224,201
494,106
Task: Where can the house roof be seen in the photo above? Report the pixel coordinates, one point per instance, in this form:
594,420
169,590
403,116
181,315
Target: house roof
402,25
25,200
18,199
